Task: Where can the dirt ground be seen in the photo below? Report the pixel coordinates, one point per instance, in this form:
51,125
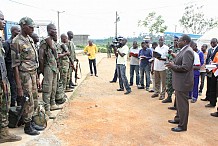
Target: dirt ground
98,115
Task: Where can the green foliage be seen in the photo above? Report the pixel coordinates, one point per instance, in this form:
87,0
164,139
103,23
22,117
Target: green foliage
194,21
155,24
80,47
102,48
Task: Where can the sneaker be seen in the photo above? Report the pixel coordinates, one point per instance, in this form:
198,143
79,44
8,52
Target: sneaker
193,100
161,97
55,107
200,94
147,89
50,115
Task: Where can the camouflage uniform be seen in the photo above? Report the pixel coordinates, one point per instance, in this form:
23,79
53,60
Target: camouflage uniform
60,94
170,89
64,67
4,103
49,85
71,47
24,56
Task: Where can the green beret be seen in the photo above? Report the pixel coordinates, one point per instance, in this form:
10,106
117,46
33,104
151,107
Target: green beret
27,21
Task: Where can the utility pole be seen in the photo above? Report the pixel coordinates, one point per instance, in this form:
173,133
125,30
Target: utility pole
59,23
117,19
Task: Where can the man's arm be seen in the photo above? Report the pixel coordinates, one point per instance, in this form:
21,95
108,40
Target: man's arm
187,63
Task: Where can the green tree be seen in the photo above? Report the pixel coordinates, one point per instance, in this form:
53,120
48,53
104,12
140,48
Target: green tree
194,21
154,23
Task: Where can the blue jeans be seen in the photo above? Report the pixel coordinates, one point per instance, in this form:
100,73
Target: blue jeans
121,72
145,69
194,92
132,69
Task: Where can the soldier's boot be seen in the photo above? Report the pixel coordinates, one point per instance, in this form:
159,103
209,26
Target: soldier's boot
60,101
55,107
37,127
50,115
28,129
5,136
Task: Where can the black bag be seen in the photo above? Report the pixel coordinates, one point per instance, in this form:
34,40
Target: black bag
13,117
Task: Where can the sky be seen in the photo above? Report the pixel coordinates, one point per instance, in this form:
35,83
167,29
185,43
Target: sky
96,17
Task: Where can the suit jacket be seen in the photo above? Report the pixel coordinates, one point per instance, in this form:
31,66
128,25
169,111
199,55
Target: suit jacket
210,55
183,77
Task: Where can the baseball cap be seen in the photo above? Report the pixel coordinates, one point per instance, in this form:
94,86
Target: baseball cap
27,21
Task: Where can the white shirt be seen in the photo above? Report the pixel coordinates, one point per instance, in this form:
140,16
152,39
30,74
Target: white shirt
123,60
159,64
134,60
196,59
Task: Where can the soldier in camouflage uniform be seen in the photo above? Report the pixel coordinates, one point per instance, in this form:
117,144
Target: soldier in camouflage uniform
25,63
64,62
5,136
171,55
60,96
72,48
48,66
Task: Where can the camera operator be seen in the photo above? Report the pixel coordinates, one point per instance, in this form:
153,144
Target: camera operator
115,45
121,66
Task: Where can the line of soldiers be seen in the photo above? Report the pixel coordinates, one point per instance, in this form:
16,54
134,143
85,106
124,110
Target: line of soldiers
25,61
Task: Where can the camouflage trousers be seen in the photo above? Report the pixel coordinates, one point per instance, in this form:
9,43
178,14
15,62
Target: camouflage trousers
63,75
28,83
170,89
60,94
49,87
70,75
4,107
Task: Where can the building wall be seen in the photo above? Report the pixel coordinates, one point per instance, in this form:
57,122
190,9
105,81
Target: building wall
81,39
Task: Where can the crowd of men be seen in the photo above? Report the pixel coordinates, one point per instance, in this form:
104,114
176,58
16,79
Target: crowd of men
171,69
24,59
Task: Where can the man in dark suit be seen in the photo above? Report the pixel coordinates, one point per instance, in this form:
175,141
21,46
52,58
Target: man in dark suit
211,79
182,80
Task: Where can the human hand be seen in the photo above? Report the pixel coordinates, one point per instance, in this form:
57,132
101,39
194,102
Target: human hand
169,64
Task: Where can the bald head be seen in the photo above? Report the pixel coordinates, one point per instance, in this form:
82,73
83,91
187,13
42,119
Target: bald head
15,30
2,21
70,35
35,38
161,41
52,31
64,38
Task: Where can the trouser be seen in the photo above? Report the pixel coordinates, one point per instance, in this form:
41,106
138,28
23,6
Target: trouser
4,107
211,89
29,86
194,92
202,76
169,85
13,87
49,87
145,70
60,94
70,76
160,79
121,72
92,62
136,69
115,73
64,73
182,108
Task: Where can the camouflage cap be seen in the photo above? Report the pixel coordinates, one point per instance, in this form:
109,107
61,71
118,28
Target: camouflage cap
28,21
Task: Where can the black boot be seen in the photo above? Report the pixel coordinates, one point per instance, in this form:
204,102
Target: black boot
28,129
37,127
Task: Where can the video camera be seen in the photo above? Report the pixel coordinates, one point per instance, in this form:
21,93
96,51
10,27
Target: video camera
116,42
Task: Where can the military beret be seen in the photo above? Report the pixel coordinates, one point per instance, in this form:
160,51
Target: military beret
26,21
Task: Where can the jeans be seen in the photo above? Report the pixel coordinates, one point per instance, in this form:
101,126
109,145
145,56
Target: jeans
92,61
132,69
194,92
202,75
145,69
121,72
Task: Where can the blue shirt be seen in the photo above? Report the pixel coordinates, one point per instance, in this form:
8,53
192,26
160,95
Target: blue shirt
148,55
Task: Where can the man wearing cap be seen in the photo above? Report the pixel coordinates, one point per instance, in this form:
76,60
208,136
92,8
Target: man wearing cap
5,135
121,67
171,55
25,63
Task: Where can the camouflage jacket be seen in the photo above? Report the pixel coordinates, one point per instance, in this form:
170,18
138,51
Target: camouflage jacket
63,60
24,54
50,58
72,48
175,50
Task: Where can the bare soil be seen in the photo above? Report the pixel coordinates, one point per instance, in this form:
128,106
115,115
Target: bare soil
98,115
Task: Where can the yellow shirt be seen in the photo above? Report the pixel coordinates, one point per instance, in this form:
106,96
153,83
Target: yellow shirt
92,50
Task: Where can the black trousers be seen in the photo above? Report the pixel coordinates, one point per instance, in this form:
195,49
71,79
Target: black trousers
12,82
211,90
92,62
